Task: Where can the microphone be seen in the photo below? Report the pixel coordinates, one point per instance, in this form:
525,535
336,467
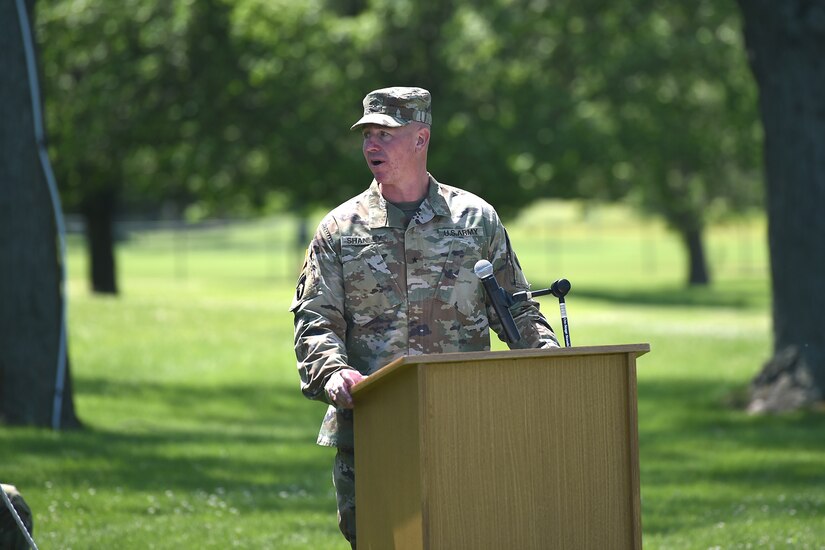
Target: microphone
501,301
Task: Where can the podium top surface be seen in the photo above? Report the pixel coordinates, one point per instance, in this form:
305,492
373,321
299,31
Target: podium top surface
480,356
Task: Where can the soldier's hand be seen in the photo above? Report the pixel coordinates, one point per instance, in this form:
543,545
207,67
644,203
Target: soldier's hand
338,387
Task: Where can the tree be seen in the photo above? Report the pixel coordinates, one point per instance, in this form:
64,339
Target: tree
31,302
683,106
220,104
146,104
642,100
107,83
785,42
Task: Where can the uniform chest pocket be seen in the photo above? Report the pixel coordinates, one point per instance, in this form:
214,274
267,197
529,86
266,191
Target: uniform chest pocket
370,287
459,286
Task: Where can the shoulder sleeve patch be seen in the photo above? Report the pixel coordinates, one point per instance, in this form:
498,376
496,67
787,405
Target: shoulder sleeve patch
307,285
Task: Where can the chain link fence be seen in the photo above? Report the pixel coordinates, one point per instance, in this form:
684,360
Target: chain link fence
581,250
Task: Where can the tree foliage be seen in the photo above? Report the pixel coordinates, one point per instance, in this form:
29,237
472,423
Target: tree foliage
236,106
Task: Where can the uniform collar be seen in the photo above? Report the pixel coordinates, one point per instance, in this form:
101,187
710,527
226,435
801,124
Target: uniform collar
382,216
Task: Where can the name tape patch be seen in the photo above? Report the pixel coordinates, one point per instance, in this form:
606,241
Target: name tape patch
348,240
451,232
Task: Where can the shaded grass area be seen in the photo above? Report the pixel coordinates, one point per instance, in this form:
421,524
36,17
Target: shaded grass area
178,465
715,477
198,437
737,294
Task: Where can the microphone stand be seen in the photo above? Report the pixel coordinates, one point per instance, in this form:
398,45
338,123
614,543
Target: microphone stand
559,289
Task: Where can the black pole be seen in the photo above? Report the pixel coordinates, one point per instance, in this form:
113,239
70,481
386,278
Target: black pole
565,329
560,288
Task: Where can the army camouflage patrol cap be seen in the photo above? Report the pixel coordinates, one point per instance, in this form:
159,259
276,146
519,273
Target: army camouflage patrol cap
395,107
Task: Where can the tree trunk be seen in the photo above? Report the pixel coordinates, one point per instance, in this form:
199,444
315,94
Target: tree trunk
98,213
786,47
31,301
698,274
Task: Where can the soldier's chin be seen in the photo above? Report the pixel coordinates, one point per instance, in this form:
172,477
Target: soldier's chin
378,173
379,179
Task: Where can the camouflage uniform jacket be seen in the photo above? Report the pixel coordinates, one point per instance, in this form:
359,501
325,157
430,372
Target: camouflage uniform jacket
373,290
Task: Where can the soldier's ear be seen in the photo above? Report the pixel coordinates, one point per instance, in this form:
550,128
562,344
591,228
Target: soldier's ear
423,138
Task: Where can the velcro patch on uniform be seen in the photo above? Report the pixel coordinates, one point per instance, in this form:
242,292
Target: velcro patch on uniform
348,240
460,232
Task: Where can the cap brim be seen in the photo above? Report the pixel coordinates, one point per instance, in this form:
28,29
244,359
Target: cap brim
380,120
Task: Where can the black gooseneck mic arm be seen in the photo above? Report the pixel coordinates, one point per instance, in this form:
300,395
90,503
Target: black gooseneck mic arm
559,289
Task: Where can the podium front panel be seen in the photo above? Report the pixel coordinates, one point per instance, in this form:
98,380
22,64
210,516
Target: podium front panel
500,450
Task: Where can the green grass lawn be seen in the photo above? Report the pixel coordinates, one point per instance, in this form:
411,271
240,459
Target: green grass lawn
198,437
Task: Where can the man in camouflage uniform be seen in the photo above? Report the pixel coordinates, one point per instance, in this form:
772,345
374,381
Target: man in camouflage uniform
11,537
390,273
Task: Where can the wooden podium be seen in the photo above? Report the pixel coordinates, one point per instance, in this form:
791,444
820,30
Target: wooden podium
509,450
